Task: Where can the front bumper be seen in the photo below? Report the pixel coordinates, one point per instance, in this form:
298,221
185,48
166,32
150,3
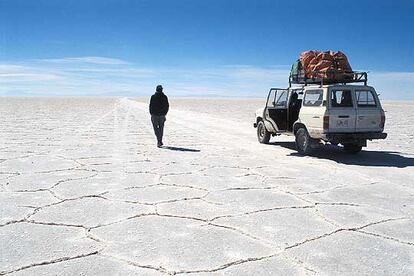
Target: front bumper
350,137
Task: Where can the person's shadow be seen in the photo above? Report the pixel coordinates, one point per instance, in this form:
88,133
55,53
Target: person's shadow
180,149
363,158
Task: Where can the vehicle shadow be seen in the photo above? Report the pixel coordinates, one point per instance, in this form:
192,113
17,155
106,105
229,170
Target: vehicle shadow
180,149
364,158
287,145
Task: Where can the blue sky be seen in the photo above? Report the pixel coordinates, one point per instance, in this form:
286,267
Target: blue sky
196,47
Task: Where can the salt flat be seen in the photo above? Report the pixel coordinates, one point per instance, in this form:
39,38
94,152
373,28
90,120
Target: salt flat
85,191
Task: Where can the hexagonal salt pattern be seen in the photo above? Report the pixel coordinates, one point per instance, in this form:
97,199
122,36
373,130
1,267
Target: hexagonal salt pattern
85,191
25,245
177,244
352,253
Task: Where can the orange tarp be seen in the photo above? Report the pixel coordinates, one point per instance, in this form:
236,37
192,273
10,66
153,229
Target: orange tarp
327,65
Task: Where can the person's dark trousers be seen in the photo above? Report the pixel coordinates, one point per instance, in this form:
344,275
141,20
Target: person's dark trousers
158,124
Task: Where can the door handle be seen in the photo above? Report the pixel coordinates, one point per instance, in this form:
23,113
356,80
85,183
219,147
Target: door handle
315,117
343,116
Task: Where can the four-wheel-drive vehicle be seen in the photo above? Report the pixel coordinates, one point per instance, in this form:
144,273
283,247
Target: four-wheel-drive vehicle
336,113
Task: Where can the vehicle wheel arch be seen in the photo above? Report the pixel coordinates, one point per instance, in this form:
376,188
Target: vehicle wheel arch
263,135
297,126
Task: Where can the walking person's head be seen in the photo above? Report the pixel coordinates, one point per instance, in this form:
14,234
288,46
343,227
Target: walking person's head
158,88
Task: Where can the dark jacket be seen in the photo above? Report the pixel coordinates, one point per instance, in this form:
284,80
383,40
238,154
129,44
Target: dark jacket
159,104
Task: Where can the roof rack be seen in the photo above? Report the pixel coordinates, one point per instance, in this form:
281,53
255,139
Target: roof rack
344,78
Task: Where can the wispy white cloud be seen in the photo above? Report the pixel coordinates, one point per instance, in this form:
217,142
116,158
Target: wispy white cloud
107,76
10,73
79,76
93,60
26,77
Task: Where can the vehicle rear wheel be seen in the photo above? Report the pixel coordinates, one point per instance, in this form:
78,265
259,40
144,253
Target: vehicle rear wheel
303,141
352,148
262,134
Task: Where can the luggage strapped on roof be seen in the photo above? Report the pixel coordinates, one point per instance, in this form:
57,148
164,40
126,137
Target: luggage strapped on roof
324,67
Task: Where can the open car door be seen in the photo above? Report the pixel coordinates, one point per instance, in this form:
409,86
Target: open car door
276,108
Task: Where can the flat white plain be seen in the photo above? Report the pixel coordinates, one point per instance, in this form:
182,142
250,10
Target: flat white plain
84,190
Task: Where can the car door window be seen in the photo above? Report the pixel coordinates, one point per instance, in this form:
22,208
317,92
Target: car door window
281,99
277,99
365,98
272,96
313,98
341,98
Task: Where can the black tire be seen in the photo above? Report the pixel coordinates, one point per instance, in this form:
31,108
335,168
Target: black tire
263,136
352,148
303,141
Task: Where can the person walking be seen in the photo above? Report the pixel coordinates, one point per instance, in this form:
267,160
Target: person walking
158,109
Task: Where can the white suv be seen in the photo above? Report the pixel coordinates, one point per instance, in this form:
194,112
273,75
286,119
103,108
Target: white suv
316,114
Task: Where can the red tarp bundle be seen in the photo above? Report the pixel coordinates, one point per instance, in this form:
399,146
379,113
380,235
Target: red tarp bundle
326,65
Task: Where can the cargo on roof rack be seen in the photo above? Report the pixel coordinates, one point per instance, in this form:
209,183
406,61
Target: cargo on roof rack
324,67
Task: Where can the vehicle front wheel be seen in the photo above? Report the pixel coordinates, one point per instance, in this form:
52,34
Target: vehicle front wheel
352,148
303,141
262,134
